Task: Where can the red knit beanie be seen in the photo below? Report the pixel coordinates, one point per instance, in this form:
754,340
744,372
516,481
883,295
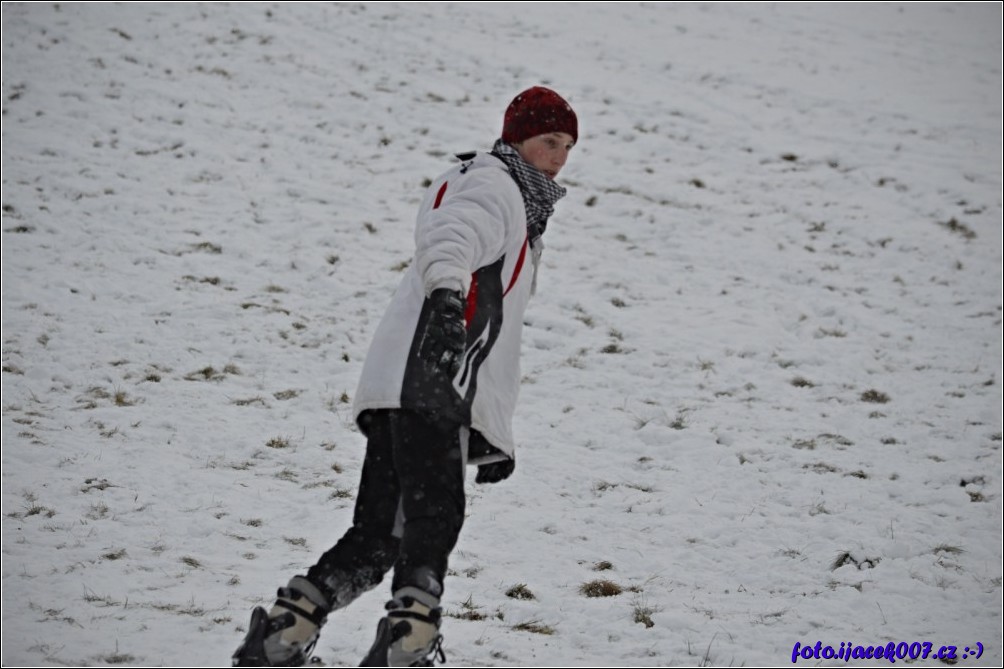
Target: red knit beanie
538,111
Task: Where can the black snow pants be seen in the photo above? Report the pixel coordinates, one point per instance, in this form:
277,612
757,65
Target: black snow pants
408,514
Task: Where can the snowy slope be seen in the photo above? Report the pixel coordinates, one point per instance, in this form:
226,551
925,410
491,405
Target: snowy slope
762,372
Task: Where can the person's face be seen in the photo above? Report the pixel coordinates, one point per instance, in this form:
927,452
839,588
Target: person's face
547,152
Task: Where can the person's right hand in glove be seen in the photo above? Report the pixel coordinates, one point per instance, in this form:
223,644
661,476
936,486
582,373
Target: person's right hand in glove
493,472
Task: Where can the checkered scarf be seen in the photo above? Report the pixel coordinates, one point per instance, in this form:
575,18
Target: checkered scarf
539,193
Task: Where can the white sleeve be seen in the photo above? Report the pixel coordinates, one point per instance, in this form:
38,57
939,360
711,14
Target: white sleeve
468,230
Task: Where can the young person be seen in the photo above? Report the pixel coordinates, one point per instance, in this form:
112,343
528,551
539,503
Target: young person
437,392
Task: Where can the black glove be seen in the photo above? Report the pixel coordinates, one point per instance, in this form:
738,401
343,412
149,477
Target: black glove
445,336
493,472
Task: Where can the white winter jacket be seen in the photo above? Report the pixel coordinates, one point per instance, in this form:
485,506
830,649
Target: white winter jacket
470,235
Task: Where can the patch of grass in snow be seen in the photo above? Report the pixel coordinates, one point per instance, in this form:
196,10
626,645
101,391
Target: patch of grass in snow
104,430
583,317
600,588
837,441
520,591
678,423
270,310
641,613
845,558
190,610
830,332
207,247
95,484
50,614
574,361
122,399
210,373
278,442
822,468
534,627
259,400
31,508
287,475
874,396
469,611
211,280
99,600
117,658
953,225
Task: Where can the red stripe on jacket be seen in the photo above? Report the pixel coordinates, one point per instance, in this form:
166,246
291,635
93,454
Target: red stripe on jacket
440,194
472,294
519,266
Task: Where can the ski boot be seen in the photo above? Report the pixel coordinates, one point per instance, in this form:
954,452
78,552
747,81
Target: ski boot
409,635
285,636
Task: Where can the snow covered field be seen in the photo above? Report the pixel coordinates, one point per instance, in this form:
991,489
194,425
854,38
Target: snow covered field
763,369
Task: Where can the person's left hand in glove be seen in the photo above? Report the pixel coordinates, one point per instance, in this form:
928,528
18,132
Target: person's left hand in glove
493,472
